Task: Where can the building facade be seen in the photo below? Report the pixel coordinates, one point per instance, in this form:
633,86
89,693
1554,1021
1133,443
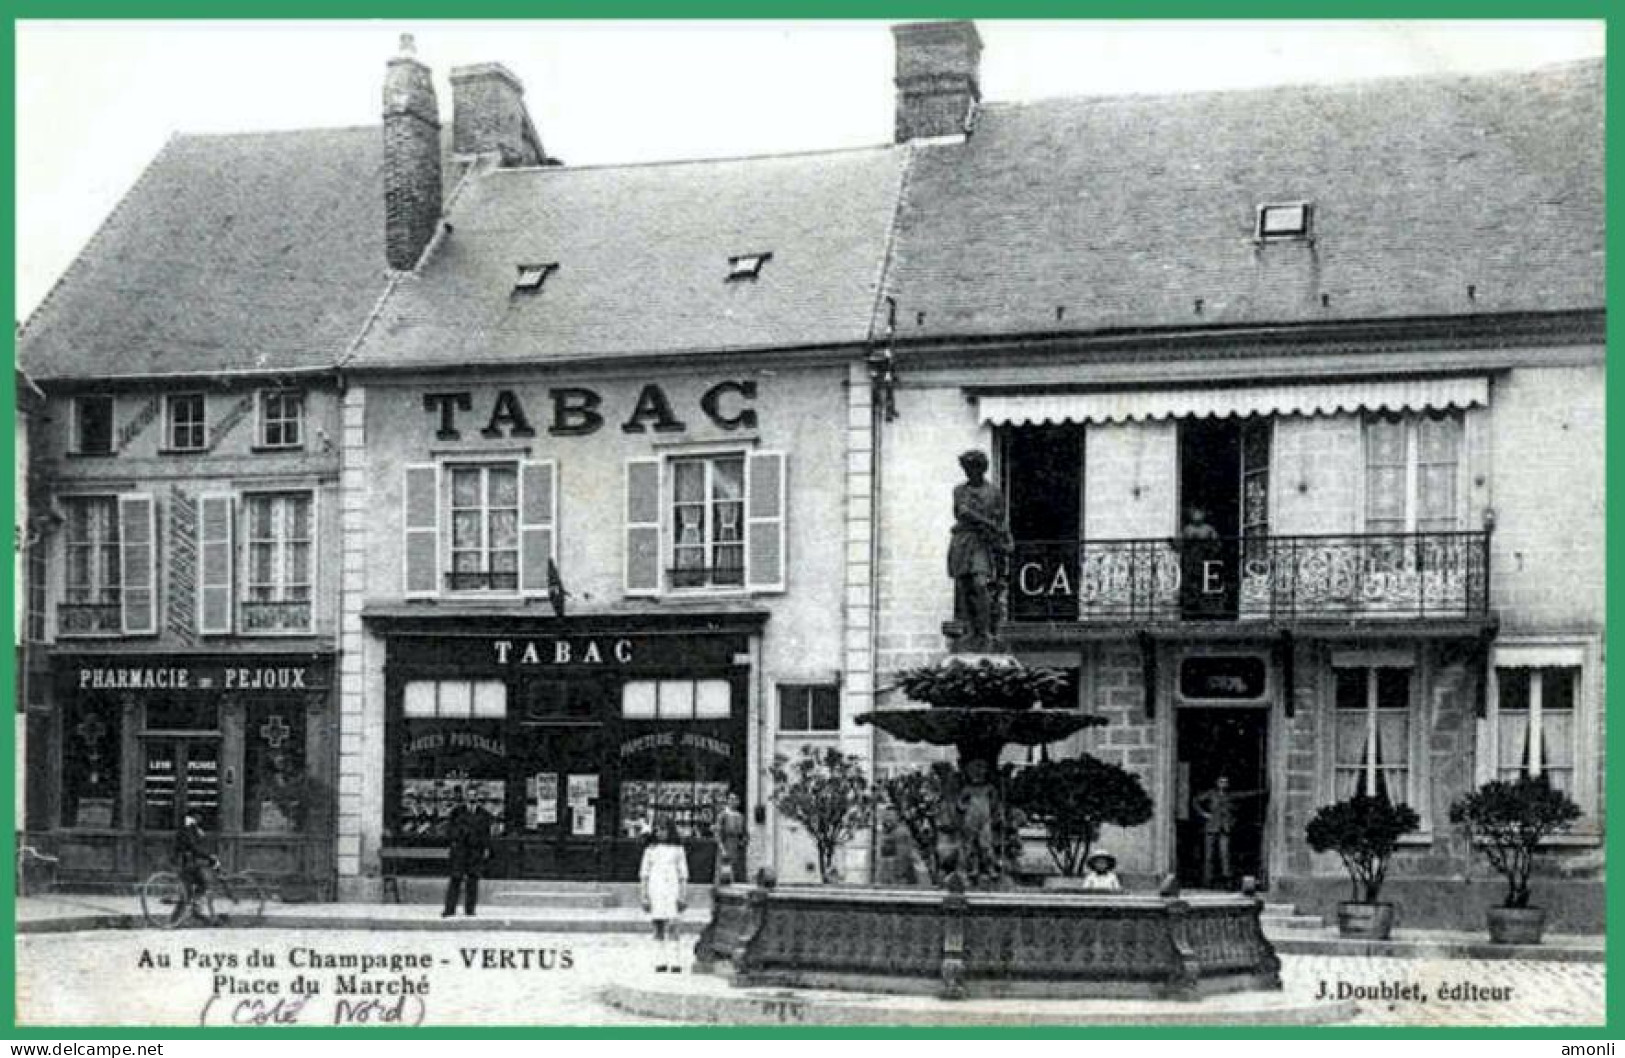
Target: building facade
185,475
406,464
597,497
1305,481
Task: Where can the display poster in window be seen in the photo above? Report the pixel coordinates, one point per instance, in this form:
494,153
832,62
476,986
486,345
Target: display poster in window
426,805
542,800
583,788
583,820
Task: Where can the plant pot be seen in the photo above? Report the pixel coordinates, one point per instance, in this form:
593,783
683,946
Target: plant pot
1516,925
1366,921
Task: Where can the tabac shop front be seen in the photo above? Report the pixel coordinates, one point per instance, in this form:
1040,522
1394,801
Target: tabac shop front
576,735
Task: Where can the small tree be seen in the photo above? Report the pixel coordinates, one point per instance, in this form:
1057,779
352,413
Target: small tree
1364,832
1509,820
828,794
1073,799
917,798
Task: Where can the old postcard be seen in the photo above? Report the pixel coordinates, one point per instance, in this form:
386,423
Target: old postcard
933,523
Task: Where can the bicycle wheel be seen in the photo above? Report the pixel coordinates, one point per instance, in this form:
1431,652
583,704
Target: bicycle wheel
163,901
238,900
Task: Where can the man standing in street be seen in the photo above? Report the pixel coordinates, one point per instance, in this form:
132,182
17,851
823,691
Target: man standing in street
470,831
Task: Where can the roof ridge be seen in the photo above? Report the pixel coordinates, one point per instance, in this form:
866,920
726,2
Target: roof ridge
96,237
875,148
1439,78
302,130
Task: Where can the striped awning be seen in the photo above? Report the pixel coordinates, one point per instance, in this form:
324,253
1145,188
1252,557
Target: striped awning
1223,402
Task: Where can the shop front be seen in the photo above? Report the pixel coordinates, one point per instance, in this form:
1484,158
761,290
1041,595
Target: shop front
138,742
577,738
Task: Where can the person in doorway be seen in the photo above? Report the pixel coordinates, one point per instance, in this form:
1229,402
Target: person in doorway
1200,565
733,836
663,878
1100,871
469,829
195,864
1217,808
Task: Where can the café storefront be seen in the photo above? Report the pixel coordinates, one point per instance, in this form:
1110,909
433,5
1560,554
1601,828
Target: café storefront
575,736
243,741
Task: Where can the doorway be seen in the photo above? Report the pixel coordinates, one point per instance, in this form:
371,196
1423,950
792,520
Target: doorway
1223,498
1042,468
1213,743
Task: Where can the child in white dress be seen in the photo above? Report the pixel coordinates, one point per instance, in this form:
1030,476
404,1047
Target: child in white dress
664,879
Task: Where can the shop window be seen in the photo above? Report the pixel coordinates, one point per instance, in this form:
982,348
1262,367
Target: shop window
708,522
185,422
108,551
454,747
809,708
90,764
279,796
456,699
282,418
1538,714
485,528
93,426
1412,470
280,550
676,700
1373,733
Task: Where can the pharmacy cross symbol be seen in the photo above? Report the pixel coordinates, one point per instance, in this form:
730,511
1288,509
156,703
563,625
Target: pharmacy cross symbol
275,731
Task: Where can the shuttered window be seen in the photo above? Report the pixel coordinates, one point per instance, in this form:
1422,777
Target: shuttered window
724,518
280,558
93,564
538,524
215,531
138,563
498,531
420,498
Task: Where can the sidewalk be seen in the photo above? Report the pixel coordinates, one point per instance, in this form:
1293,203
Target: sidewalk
67,913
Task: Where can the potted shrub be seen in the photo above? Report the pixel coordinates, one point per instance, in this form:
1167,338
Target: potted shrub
826,792
1072,799
1364,832
1508,821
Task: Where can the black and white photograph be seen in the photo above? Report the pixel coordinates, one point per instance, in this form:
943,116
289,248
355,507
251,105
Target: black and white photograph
961,523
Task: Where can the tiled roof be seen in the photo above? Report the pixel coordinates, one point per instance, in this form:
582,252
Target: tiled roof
234,252
642,254
1123,213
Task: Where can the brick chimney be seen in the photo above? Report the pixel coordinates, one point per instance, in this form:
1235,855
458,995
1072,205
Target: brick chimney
938,78
411,158
489,116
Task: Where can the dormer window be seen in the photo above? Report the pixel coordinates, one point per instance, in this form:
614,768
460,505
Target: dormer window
532,276
1284,220
746,265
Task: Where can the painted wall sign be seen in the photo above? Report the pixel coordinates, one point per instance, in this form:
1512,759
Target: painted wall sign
671,739
563,651
1223,678
436,741
577,411
228,423
180,677
142,419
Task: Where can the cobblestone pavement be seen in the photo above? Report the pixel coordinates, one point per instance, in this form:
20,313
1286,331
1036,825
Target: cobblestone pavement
167,979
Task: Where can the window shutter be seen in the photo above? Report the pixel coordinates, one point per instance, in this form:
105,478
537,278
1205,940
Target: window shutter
538,523
643,527
138,533
421,500
215,557
765,522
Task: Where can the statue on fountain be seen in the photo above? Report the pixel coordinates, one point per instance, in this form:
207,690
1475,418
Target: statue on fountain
978,554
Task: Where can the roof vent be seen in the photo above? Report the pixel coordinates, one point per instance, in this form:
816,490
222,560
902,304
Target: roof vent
747,265
1279,221
532,276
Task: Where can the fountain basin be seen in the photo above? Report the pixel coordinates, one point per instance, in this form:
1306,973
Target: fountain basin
989,944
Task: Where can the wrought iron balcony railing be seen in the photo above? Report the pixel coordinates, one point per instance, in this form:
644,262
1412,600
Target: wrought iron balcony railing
1273,578
291,615
89,618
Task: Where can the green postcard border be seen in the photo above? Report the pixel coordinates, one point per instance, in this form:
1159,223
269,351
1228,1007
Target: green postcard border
404,10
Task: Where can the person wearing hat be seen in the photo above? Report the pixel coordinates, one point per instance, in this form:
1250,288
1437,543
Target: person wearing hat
1100,871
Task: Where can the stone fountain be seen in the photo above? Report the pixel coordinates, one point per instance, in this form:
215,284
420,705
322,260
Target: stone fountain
979,935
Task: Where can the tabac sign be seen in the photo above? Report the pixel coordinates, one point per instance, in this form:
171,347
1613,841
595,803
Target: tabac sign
576,411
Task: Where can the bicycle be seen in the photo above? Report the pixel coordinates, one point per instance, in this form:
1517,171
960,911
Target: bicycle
235,899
